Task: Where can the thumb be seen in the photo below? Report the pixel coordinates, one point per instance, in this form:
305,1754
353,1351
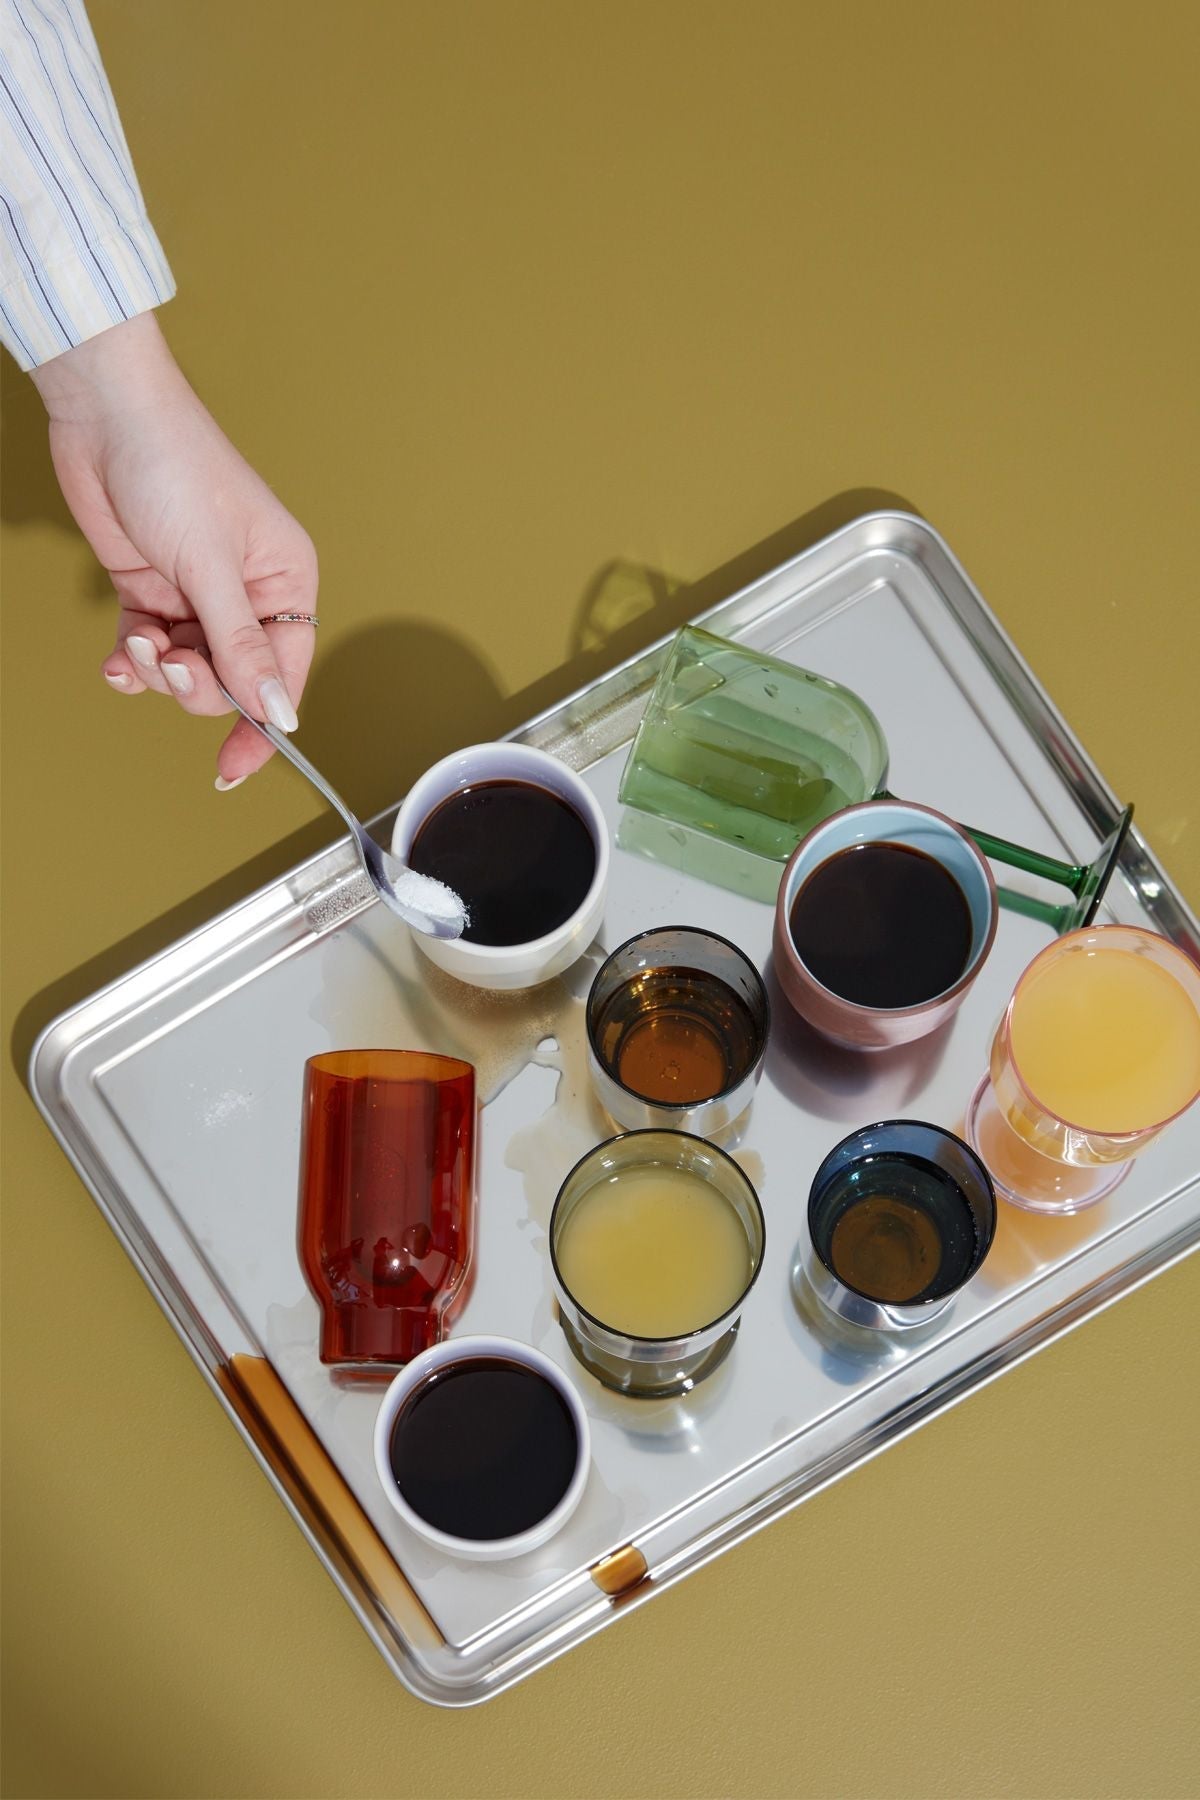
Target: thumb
241,649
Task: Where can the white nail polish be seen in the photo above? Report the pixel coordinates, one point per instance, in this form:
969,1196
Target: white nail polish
117,681
223,787
179,676
276,704
142,651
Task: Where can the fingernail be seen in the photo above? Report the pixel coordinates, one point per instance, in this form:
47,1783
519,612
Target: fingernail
117,681
276,704
142,651
179,676
222,786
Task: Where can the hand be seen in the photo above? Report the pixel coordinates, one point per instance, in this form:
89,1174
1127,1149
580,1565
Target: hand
198,547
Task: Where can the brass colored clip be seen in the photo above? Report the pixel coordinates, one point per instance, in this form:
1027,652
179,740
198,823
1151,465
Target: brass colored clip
617,1573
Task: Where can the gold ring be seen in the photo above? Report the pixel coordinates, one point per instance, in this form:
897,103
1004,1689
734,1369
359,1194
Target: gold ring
290,619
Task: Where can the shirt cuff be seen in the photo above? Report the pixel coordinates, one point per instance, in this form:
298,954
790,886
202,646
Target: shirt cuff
50,307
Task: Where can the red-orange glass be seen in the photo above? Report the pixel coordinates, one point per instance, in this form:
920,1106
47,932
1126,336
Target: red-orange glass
386,1198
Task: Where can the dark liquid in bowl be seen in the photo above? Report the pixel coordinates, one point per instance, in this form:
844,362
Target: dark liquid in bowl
485,1449
882,925
521,858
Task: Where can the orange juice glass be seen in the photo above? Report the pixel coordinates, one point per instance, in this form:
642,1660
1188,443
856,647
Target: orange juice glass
1097,1052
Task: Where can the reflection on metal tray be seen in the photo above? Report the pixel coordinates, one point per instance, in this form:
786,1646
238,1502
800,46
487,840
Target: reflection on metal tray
176,1093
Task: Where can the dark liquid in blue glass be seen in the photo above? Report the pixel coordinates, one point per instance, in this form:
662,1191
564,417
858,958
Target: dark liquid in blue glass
896,1229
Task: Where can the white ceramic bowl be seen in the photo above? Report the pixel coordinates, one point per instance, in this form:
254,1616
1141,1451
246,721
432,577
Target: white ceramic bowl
509,965
418,1371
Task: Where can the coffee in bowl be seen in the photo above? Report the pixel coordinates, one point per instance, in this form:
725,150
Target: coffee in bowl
520,856
482,1447
523,839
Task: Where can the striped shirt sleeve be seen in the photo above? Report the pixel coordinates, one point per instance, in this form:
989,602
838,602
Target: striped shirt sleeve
77,252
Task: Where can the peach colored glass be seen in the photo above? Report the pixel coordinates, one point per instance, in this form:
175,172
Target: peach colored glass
386,1198
1037,1158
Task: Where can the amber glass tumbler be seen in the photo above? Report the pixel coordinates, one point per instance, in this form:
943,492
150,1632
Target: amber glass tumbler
386,1198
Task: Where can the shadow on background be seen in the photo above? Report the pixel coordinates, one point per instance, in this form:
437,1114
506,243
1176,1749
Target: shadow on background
390,699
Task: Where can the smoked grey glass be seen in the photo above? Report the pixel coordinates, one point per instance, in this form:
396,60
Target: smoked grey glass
651,1368
680,947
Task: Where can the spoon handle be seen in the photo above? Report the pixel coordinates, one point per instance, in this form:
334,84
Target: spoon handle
287,749
381,869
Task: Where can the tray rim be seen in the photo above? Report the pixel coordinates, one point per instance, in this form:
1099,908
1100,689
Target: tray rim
1158,895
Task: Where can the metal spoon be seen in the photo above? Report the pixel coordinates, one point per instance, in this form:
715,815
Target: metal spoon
428,906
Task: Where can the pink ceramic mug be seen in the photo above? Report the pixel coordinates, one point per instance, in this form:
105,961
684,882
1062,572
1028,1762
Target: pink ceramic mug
847,1022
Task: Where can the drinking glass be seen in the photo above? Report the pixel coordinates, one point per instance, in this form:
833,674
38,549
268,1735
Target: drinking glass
654,1367
1084,1032
678,984
748,748
753,751
386,1198
911,1172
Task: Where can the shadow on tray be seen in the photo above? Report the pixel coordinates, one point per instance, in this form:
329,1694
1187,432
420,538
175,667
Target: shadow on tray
411,692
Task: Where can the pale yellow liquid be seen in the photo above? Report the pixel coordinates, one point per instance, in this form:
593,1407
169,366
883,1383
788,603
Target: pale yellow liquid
655,1252
1107,1040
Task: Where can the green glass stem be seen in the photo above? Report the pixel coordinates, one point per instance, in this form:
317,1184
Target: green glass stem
1086,882
1045,911
1068,875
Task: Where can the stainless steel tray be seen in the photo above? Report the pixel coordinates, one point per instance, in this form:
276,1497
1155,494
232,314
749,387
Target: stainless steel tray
176,1092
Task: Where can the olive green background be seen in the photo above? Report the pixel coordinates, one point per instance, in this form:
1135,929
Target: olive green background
532,313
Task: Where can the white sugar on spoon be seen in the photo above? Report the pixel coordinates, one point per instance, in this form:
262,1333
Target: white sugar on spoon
422,893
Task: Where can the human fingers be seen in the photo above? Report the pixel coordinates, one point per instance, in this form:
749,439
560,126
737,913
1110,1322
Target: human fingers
293,646
241,650
285,596
141,641
120,673
243,753
246,750
187,666
189,675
